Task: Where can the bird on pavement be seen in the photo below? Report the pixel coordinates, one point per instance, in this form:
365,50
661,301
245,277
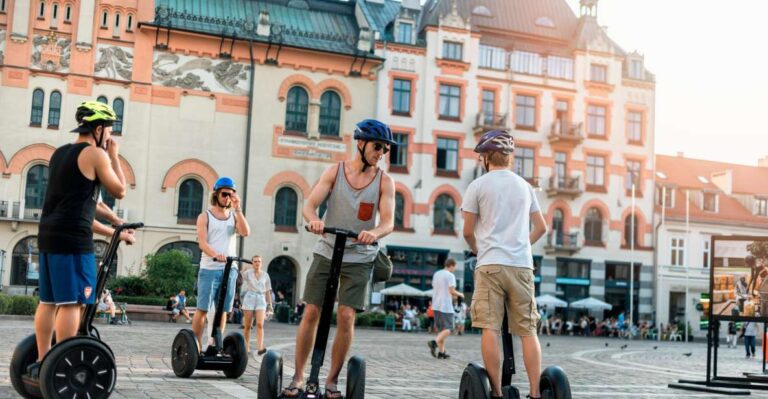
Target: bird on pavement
688,354
547,344
606,344
655,347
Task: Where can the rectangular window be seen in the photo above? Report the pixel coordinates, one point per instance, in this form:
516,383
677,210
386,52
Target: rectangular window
525,62
636,69
633,175
634,126
405,33
450,101
621,272
2,5
596,120
398,156
525,110
489,106
705,252
452,51
677,246
560,67
492,57
598,73
761,207
447,154
572,269
129,25
710,202
595,170
401,96
669,193
41,11
524,165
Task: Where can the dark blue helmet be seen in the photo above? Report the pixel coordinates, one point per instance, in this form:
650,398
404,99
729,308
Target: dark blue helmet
224,182
373,130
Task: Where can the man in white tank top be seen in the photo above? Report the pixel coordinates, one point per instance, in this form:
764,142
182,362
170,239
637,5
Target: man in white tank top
216,230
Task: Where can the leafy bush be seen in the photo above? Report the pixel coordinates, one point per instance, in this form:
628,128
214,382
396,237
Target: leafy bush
23,305
169,272
370,319
129,286
5,304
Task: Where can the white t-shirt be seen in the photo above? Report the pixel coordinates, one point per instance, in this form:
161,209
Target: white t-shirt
442,300
503,203
256,284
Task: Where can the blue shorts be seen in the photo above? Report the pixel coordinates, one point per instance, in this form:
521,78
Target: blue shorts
67,278
208,283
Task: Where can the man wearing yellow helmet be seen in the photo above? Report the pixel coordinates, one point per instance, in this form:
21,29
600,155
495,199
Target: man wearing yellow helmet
67,263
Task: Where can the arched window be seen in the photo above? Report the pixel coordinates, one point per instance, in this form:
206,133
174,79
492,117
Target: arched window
557,226
102,99
399,211
68,13
445,209
189,248
628,230
25,263
286,203
118,105
593,226
282,274
116,28
129,24
296,110
190,201
330,113
41,10
38,99
34,193
104,19
54,109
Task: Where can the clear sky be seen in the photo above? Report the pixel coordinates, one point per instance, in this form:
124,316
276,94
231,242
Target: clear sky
711,64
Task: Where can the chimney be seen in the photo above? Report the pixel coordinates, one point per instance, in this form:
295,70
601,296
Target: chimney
263,29
365,40
763,162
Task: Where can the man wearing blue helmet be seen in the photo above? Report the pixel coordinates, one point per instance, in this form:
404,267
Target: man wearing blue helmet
356,191
216,228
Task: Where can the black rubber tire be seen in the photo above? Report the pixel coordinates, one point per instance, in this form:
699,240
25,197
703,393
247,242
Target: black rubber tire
24,355
355,378
234,346
271,376
474,383
79,365
554,384
184,353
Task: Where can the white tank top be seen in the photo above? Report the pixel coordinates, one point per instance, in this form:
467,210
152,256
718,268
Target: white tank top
221,237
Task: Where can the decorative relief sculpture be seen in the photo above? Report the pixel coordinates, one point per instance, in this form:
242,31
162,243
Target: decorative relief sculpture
114,62
189,72
51,53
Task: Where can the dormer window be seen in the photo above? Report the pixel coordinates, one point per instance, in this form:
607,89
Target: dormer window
709,202
405,32
636,69
545,22
482,11
761,207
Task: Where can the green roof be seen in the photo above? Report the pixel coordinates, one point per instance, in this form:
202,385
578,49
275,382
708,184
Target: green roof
313,24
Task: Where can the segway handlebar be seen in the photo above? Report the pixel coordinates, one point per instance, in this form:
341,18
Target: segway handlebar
340,232
231,259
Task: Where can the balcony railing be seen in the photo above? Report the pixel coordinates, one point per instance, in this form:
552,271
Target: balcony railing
566,133
4,209
490,121
32,213
560,242
564,186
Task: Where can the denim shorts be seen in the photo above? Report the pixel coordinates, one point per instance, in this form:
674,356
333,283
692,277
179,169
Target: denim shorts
208,283
254,301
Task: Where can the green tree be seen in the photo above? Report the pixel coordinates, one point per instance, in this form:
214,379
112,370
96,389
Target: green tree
759,249
168,272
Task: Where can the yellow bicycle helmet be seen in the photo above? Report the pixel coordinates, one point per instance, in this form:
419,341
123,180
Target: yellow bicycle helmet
92,113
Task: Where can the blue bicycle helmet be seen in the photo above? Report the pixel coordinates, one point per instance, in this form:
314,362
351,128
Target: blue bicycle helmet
373,130
224,182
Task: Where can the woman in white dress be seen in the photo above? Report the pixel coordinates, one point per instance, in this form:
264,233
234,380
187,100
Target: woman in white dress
256,294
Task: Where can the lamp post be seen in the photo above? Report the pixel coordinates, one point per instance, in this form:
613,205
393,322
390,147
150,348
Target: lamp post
632,264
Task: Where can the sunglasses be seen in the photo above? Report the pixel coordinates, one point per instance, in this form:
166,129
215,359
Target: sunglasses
225,194
380,147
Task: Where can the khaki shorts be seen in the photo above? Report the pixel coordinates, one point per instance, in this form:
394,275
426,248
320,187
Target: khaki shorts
353,285
497,286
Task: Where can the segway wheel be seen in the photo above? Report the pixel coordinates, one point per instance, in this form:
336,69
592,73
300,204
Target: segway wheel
234,346
271,376
355,378
554,384
184,353
78,367
474,383
24,355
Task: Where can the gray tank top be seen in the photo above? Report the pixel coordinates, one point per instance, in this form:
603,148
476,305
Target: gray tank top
352,209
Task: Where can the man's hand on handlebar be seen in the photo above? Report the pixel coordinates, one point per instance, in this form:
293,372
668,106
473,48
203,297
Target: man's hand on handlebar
127,236
317,226
366,237
220,258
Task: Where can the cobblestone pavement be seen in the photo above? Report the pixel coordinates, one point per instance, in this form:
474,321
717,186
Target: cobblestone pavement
399,365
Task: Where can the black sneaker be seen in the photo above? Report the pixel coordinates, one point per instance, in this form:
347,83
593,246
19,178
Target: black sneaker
33,370
433,347
443,355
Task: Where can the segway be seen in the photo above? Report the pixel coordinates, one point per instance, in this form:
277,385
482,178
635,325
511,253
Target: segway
271,372
553,383
227,354
82,366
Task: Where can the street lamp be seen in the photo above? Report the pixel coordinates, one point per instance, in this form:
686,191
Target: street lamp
632,263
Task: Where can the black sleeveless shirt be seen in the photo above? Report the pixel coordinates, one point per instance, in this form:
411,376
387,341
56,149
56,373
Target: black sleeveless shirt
70,205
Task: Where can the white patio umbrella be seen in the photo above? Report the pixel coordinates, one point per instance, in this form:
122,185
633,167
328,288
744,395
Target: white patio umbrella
550,301
590,304
402,290
429,292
